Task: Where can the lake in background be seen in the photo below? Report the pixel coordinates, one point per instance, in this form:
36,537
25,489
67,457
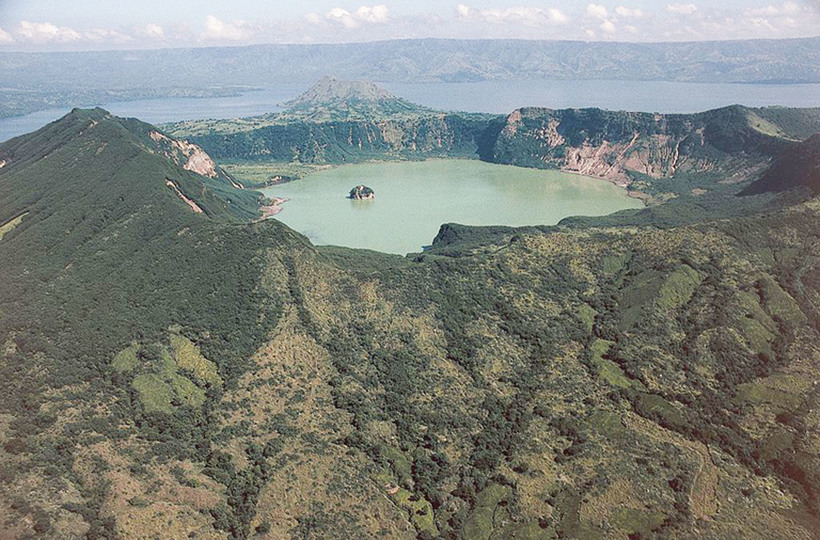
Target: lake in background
486,96
413,199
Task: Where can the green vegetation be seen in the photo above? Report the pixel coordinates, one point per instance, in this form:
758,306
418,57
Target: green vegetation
261,173
171,373
126,360
159,383
361,192
189,358
608,370
10,225
487,512
637,522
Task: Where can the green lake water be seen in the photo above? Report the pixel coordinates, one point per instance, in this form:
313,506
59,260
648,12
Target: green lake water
413,199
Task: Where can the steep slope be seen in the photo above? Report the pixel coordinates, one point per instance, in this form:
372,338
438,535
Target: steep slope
624,147
117,146
798,167
103,252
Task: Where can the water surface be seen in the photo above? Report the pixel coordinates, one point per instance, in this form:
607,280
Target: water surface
413,199
498,97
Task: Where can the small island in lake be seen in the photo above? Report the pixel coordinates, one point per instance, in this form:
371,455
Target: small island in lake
361,192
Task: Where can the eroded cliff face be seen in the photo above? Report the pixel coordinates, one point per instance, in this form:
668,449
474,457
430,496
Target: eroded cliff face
190,156
620,146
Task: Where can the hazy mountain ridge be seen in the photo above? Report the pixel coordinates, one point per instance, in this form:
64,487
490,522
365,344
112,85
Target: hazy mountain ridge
426,60
174,374
333,99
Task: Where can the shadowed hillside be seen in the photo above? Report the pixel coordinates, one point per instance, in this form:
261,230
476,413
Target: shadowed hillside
796,168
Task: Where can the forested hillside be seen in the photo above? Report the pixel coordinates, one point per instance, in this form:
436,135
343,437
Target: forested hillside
175,373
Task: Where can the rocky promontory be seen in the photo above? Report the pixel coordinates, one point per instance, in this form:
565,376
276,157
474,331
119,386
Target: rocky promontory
361,193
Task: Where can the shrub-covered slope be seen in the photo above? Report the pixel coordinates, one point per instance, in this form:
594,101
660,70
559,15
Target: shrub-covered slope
174,374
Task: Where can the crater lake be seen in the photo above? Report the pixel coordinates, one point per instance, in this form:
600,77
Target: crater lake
413,199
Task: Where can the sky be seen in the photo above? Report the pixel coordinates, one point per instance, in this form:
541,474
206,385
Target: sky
71,25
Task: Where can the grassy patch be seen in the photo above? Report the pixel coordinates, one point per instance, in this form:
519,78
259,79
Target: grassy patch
9,226
587,314
187,392
154,393
678,287
654,406
613,264
262,172
529,530
607,423
608,370
402,467
160,386
637,522
126,360
760,394
776,444
481,522
779,303
190,359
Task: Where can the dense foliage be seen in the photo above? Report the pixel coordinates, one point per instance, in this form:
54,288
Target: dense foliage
180,374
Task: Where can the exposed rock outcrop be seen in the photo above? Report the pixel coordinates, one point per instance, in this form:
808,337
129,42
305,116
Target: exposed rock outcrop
361,193
190,156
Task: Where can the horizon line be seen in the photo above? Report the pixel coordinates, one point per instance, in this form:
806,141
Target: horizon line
395,40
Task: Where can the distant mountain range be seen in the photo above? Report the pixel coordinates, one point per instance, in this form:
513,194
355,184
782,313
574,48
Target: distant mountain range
61,79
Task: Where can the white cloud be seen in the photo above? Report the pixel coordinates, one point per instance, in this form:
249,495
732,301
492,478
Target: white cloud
623,11
343,16
608,27
558,16
593,19
47,32
597,10
764,11
151,30
527,16
364,14
102,35
762,22
791,8
375,14
313,18
218,30
682,9
786,8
